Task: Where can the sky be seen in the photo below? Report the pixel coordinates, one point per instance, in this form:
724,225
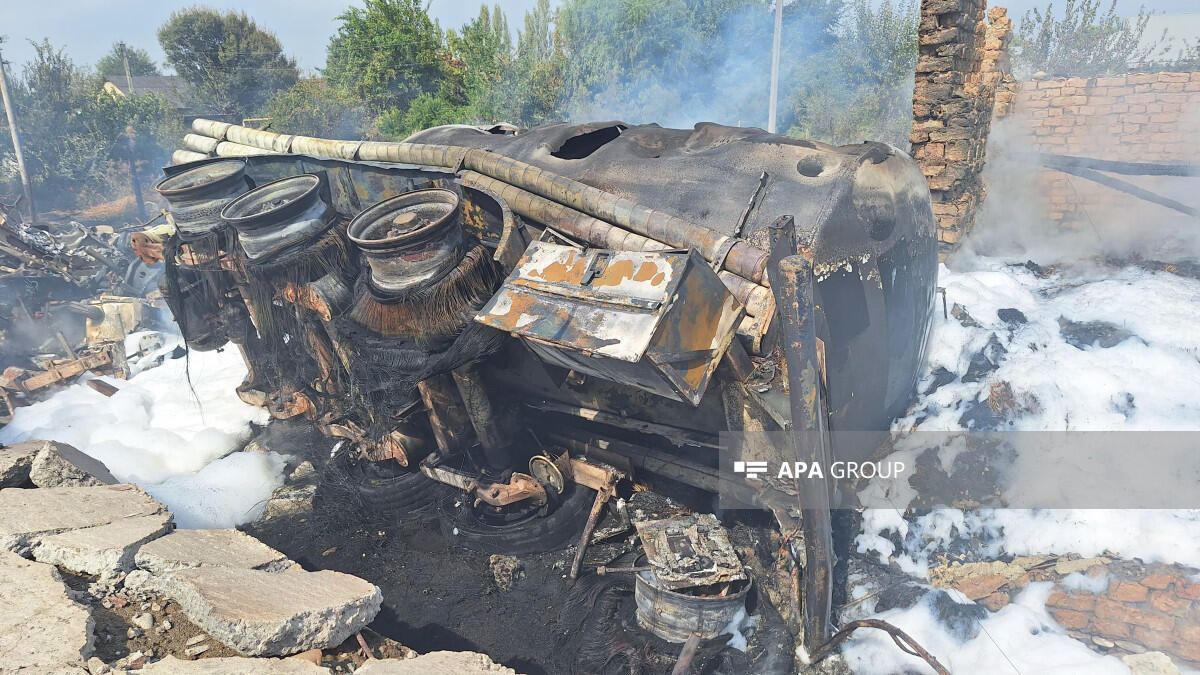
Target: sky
88,28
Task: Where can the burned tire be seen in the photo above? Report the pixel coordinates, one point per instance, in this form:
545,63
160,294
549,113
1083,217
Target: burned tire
535,533
384,488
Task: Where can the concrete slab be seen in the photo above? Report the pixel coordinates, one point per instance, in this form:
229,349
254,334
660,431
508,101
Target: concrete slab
15,461
26,516
261,613
204,548
436,663
104,550
42,630
61,465
233,665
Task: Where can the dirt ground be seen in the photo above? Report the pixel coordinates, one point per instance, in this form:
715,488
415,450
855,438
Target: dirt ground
441,596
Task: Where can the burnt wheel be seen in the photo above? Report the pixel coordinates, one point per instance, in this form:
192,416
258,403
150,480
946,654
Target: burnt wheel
379,487
517,529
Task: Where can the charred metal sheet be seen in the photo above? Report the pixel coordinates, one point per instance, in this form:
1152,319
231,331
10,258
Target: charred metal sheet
118,317
689,551
657,321
809,419
679,617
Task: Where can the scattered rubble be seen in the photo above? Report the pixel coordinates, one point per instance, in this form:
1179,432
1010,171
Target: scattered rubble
204,548
233,665
15,462
261,613
41,628
296,495
1084,334
505,570
104,550
60,465
27,516
435,663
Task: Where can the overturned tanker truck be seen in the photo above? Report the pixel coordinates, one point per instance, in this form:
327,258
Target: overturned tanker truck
535,317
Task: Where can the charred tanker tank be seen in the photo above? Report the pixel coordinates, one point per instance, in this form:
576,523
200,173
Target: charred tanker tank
535,317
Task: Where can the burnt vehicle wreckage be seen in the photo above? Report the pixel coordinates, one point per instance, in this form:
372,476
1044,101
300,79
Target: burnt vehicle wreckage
536,317
69,293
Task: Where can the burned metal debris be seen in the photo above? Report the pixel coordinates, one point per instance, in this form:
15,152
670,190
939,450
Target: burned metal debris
539,319
69,294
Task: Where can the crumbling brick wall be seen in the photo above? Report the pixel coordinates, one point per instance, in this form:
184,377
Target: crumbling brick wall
1132,606
1142,117
1145,607
961,60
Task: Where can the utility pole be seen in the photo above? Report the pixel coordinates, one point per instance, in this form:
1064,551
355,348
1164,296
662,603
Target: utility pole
125,60
775,66
16,141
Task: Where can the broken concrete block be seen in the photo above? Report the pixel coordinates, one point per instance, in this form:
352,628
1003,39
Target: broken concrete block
15,461
1150,663
290,500
233,665
61,465
42,630
261,613
27,516
200,548
104,550
435,663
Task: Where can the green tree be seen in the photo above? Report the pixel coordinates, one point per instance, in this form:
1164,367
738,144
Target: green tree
386,54
485,50
860,88
425,111
232,65
313,107
140,63
679,62
534,82
72,129
1082,42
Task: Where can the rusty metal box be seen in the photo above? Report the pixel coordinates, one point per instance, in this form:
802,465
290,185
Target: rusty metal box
658,321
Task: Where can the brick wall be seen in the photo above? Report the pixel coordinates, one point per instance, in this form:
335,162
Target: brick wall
961,60
1147,117
1154,607
1143,607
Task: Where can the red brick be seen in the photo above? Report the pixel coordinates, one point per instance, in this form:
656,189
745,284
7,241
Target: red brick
1070,619
1076,601
1188,650
1152,638
1125,591
1169,603
1109,609
1110,628
1189,633
1159,581
996,601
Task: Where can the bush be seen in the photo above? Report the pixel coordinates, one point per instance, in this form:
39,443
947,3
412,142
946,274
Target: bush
426,111
1082,42
312,107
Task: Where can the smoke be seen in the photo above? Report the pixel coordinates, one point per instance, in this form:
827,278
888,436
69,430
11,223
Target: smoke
1098,222
681,67
689,75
